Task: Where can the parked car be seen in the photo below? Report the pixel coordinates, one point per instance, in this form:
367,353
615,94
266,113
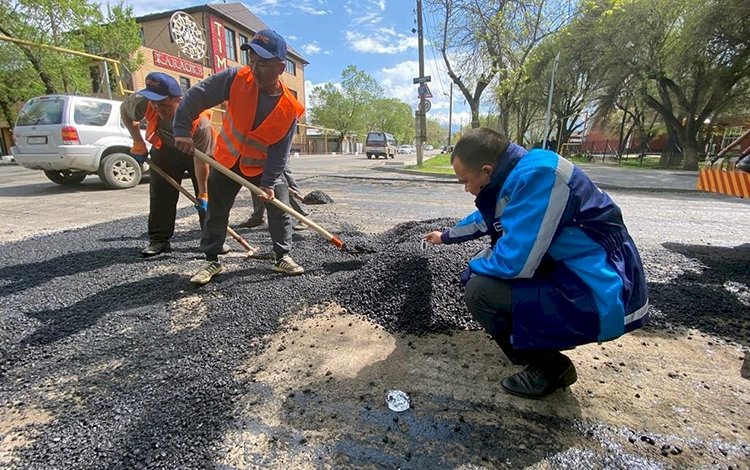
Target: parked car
380,144
428,147
69,137
405,149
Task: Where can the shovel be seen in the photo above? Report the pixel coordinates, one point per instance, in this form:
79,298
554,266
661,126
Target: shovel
251,250
243,182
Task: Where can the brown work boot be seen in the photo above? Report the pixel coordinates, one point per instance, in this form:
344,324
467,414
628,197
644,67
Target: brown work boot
541,379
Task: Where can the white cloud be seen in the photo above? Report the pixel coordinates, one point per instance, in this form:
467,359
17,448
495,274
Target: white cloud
387,42
314,48
368,18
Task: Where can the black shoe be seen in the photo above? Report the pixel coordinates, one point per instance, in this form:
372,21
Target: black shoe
744,164
225,249
156,248
250,223
540,380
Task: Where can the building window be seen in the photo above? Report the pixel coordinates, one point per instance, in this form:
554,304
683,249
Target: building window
142,36
244,55
184,84
291,67
229,37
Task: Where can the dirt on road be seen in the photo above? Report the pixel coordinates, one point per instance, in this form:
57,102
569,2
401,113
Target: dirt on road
101,353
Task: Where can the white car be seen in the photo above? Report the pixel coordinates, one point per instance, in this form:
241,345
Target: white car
69,137
405,149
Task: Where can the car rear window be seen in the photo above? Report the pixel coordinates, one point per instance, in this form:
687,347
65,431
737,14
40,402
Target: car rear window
41,111
376,137
91,113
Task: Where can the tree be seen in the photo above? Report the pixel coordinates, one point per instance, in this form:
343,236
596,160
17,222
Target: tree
69,24
394,117
436,133
690,59
490,41
345,106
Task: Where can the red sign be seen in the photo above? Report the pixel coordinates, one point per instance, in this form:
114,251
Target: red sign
179,65
218,46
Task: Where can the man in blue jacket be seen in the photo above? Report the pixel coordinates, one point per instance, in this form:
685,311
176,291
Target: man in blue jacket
561,269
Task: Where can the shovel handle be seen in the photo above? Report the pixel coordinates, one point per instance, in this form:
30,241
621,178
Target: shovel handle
243,182
250,249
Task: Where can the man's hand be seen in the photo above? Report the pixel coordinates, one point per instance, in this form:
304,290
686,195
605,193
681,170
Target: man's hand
184,144
202,202
270,194
433,238
139,152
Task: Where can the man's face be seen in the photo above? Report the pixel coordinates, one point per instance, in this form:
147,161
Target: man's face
473,180
266,71
167,107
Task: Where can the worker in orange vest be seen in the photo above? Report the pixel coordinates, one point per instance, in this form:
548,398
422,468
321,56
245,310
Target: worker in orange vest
254,142
157,104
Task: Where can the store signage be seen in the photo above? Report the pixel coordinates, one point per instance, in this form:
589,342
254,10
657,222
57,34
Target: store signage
178,65
218,47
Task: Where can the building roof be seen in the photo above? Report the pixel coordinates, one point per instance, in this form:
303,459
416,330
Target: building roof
236,12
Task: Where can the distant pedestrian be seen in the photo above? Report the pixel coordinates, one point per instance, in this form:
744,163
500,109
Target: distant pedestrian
157,103
561,269
255,139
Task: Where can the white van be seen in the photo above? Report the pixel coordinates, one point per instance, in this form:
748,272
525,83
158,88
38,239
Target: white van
69,137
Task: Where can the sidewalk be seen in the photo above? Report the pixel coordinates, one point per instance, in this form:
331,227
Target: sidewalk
606,177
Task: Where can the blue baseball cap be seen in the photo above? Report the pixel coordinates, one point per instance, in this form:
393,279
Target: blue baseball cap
268,44
159,86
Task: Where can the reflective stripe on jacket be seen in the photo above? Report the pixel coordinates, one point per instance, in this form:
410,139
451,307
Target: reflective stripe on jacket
238,138
152,124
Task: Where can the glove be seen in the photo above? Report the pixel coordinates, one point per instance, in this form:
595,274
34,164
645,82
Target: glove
465,276
139,152
201,203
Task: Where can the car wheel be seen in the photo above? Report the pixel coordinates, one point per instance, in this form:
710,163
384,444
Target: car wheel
369,156
119,171
65,177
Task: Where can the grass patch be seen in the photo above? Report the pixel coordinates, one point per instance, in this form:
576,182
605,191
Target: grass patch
648,162
438,164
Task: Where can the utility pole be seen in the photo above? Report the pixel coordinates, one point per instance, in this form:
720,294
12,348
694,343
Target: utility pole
421,122
450,116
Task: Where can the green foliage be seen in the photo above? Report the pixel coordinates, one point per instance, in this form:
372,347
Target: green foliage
356,106
345,107
394,117
28,70
689,60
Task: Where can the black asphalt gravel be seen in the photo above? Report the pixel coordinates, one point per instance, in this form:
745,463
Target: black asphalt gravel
79,298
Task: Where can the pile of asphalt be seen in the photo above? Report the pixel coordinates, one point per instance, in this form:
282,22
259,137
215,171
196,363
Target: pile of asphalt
84,314
317,197
85,300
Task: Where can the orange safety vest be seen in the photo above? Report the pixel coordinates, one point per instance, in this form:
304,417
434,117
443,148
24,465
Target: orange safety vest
152,119
238,138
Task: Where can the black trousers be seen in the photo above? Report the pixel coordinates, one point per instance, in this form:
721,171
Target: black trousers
222,192
162,195
490,302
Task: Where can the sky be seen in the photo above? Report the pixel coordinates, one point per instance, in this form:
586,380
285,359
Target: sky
374,35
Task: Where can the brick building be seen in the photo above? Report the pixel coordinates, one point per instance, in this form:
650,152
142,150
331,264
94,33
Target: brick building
192,43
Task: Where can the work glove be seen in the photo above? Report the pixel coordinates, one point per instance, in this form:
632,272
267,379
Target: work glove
201,203
465,276
139,152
